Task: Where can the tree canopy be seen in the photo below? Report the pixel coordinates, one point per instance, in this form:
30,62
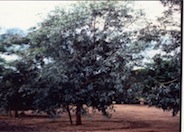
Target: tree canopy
91,52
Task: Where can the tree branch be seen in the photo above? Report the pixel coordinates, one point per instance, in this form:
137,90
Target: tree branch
165,83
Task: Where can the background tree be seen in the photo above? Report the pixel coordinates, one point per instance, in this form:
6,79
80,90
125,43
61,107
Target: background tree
158,80
162,85
165,85
16,75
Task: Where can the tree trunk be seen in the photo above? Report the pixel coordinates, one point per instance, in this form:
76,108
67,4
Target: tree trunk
78,115
69,114
16,113
10,113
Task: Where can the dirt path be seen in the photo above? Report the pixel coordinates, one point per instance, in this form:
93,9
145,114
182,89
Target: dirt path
127,118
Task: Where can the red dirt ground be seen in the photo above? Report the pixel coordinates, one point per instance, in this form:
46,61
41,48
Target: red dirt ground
126,118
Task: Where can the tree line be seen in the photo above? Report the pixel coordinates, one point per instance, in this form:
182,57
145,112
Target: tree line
86,57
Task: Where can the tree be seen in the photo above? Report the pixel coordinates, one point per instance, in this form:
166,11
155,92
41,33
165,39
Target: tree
158,80
16,93
171,3
16,75
92,53
163,83
162,87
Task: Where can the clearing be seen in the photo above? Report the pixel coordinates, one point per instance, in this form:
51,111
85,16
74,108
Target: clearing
127,118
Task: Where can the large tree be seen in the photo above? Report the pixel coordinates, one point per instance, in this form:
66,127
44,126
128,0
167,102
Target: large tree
90,51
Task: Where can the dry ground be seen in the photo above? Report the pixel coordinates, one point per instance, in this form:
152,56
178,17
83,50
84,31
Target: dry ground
127,118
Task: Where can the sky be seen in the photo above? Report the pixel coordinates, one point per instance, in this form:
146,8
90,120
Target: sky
25,14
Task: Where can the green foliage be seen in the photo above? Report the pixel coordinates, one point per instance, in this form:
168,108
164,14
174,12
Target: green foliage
172,2
91,52
160,80
17,76
15,90
162,88
84,56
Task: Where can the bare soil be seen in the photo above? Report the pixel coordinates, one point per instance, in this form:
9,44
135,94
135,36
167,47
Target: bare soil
126,118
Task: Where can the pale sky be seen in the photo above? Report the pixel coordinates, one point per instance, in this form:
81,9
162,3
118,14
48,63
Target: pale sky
25,14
